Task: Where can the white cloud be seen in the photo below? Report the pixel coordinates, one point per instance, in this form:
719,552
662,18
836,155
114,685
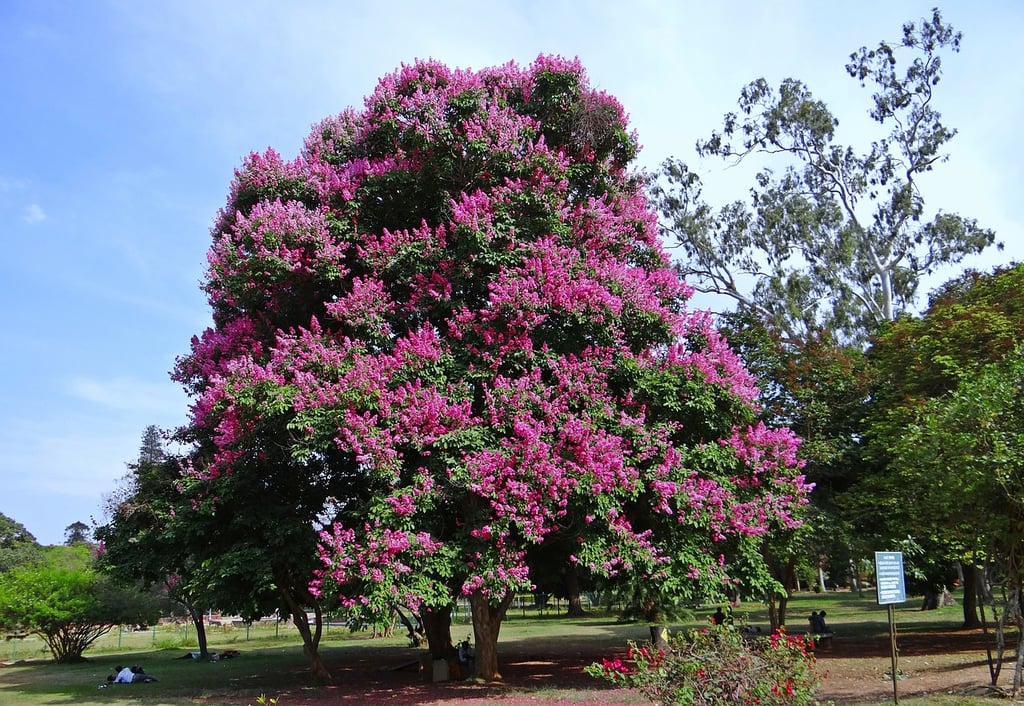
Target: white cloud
34,213
164,399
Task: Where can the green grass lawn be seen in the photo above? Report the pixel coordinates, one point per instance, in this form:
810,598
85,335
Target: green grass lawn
272,661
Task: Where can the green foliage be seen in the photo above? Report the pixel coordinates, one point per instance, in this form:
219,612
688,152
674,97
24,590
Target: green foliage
969,443
926,369
17,545
915,446
69,608
839,237
76,533
718,665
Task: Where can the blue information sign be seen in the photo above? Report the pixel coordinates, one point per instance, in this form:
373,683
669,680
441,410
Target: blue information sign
889,578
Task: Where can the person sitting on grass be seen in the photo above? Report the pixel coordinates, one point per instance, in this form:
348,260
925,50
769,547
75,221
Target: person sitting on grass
130,675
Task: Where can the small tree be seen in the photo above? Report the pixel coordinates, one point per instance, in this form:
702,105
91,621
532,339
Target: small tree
69,608
76,533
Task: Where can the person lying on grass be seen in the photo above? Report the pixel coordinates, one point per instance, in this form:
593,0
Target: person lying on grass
130,675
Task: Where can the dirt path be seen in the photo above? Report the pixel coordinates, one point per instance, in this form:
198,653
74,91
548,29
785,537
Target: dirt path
545,672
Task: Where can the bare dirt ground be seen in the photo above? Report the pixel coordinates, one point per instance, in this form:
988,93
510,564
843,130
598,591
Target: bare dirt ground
950,662
548,673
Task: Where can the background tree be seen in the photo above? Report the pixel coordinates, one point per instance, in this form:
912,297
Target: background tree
68,607
836,237
76,533
452,312
971,439
144,539
973,321
832,243
17,545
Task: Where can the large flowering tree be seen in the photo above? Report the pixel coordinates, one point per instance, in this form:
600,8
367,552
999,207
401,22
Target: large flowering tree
455,299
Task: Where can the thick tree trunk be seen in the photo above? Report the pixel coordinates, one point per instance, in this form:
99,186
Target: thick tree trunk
972,577
487,618
437,625
310,636
572,590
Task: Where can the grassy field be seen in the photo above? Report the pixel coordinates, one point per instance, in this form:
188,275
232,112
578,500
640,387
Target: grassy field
272,662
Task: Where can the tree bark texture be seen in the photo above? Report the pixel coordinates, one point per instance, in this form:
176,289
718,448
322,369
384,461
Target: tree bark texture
310,636
572,590
437,626
487,617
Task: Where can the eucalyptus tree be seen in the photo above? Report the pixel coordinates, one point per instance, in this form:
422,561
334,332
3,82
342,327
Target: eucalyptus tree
832,242
834,236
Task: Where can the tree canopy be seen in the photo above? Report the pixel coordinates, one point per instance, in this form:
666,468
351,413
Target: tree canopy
17,545
452,315
834,236
68,604
926,370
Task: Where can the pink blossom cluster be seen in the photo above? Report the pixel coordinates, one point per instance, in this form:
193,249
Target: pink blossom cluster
381,560
459,292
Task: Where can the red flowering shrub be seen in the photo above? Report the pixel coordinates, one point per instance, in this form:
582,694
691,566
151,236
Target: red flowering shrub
718,665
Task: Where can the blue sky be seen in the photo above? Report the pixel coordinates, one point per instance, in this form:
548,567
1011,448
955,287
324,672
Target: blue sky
121,123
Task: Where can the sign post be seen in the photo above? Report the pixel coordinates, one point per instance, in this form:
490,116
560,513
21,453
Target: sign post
892,589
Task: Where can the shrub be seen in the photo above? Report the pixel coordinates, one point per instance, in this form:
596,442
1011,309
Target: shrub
718,665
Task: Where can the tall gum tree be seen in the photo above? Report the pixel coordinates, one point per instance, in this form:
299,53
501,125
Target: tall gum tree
831,244
834,236
456,298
